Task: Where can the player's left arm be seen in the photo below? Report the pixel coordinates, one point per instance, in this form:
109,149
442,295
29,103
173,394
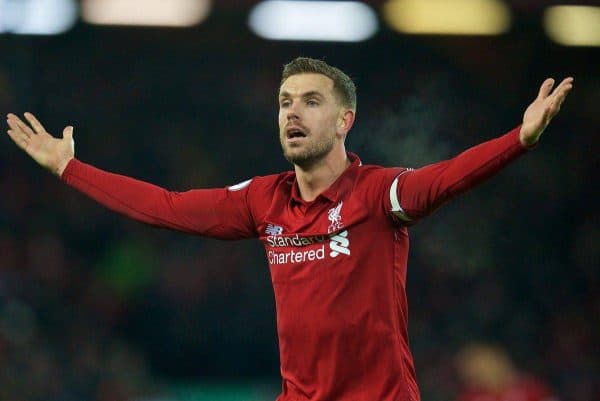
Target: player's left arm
416,193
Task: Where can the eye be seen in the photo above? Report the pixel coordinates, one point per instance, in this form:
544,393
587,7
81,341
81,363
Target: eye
284,103
312,102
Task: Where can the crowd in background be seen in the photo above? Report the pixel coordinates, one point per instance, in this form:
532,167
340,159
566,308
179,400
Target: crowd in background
95,307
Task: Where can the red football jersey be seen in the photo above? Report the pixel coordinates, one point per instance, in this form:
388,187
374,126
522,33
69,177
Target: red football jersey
338,263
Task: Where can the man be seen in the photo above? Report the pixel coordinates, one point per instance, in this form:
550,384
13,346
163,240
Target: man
334,230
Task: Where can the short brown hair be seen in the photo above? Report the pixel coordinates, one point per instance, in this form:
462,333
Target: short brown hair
343,87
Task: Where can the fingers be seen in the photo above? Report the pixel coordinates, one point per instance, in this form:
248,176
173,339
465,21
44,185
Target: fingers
548,83
19,126
563,89
545,88
559,94
37,126
18,132
21,140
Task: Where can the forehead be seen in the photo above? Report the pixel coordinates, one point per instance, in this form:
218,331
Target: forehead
302,83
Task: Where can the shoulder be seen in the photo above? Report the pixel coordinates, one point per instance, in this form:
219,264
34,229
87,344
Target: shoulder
377,186
260,182
267,184
372,175
259,191
263,192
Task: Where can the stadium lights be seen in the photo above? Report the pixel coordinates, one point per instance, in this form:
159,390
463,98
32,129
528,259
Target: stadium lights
573,25
167,13
37,17
448,17
337,21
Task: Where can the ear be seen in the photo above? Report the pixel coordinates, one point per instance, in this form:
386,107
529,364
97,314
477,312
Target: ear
345,121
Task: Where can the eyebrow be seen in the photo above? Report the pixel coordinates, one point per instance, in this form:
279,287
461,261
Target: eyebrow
305,95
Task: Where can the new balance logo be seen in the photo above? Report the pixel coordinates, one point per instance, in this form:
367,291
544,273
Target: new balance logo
339,244
273,230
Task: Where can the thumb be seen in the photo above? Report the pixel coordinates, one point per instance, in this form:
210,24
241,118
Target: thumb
68,132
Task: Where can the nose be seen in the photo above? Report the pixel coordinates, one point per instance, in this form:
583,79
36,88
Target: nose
292,116
292,112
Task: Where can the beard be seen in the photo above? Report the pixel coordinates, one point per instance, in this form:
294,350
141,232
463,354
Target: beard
312,153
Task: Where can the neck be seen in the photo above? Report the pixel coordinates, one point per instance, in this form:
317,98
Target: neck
316,178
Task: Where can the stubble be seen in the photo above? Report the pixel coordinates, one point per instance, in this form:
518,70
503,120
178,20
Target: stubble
313,152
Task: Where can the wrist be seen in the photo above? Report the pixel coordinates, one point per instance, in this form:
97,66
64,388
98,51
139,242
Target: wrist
62,165
528,141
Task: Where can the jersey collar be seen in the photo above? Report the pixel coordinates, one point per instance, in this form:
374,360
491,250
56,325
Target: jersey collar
339,188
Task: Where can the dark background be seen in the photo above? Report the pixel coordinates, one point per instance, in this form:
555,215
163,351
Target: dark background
96,307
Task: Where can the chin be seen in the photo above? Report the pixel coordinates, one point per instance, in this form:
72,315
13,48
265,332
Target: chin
295,156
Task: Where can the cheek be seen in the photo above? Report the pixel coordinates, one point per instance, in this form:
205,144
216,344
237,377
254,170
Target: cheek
329,123
281,118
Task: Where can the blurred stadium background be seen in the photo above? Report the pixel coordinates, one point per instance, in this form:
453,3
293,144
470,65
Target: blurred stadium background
182,94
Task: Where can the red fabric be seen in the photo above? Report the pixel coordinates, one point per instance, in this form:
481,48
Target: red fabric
338,264
523,389
424,189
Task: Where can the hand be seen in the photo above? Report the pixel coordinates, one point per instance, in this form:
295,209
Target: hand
543,109
50,152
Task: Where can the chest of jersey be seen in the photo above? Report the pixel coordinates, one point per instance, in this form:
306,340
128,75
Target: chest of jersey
301,236
332,267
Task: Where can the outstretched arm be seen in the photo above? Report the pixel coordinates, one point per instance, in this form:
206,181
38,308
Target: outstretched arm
416,193
219,213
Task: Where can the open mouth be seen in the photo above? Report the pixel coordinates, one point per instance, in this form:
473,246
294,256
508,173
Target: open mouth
294,132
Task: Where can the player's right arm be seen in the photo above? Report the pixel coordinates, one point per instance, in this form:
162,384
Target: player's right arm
219,213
